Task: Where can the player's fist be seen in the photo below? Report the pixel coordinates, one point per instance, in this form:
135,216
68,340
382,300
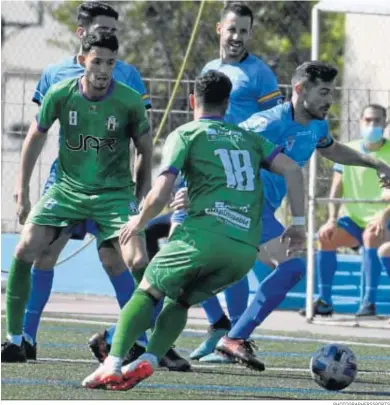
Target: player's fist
295,236
180,201
23,204
326,232
131,228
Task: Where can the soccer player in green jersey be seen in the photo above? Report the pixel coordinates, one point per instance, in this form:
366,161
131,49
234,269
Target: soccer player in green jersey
99,117
216,245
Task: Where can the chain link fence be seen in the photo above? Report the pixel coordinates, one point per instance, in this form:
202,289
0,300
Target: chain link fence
154,36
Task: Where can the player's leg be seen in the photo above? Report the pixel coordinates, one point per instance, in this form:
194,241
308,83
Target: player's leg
347,234
181,271
384,256
371,269
42,275
55,210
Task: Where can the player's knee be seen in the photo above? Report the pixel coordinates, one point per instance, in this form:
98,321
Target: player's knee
112,261
370,239
47,260
139,262
384,250
28,247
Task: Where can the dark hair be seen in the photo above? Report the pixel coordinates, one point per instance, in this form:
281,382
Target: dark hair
313,71
237,7
376,107
101,40
86,12
212,88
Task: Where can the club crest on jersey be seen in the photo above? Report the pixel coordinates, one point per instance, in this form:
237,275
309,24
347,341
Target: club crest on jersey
111,123
73,118
290,142
92,109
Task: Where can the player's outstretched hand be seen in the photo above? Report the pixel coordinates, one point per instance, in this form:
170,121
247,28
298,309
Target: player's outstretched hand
295,236
180,201
23,205
383,172
131,228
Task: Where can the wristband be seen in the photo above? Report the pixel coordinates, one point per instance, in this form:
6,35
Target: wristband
298,221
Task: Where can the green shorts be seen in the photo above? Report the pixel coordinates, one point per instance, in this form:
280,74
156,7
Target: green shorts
61,207
196,264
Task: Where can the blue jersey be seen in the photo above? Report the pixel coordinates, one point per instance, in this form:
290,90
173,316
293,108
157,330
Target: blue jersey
69,68
255,87
299,142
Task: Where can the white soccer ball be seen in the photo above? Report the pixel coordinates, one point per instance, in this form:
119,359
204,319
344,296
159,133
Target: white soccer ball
333,367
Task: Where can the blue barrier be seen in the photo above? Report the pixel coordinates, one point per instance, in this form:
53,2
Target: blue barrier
84,274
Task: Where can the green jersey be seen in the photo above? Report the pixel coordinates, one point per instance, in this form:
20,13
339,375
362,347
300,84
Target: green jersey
363,183
220,163
94,151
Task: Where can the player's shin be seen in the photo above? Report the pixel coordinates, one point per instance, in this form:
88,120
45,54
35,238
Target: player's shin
385,260
237,299
327,266
41,285
371,269
135,318
169,324
18,290
270,294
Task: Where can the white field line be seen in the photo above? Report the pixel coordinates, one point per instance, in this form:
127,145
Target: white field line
203,332
200,367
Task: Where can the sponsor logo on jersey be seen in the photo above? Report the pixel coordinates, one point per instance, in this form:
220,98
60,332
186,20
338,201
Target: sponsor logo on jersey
290,141
87,142
92,109
227,215
111,123
73,118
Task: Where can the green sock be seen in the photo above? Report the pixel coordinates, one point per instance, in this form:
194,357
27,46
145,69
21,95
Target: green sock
18,290
134,319
170,323
138,275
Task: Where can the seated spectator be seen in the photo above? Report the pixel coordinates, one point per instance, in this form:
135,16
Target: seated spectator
362,224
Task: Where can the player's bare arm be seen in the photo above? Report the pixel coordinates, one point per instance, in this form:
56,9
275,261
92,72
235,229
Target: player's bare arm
345,155
154,203
143,164
295,234
32,148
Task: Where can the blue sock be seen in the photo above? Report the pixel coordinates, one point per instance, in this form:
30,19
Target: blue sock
213,309
326,268
270,294
371,268
124,287
385,260
237,299
41,284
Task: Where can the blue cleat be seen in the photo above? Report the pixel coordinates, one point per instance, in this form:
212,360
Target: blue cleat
217,358
208,346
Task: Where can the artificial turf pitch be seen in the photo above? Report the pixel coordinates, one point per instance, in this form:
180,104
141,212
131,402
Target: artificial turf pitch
65,360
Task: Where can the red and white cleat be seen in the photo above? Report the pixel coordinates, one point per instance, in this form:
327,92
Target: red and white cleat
103,377
133,374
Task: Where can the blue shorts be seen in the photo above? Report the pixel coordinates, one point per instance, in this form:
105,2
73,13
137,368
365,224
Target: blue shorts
271,228
353,229
160,220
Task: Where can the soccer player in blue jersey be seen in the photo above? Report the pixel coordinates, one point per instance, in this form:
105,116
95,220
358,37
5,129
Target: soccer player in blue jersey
91,17
300,127
255,88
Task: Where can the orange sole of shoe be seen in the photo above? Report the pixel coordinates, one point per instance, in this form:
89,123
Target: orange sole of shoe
132,378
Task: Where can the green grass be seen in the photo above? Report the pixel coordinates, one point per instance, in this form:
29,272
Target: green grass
61,380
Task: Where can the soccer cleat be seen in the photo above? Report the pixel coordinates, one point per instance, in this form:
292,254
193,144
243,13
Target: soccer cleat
102,378
31,350
11,353
217,358
208,346
241,350
132,374
320,308
100,348
174,362
366,310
